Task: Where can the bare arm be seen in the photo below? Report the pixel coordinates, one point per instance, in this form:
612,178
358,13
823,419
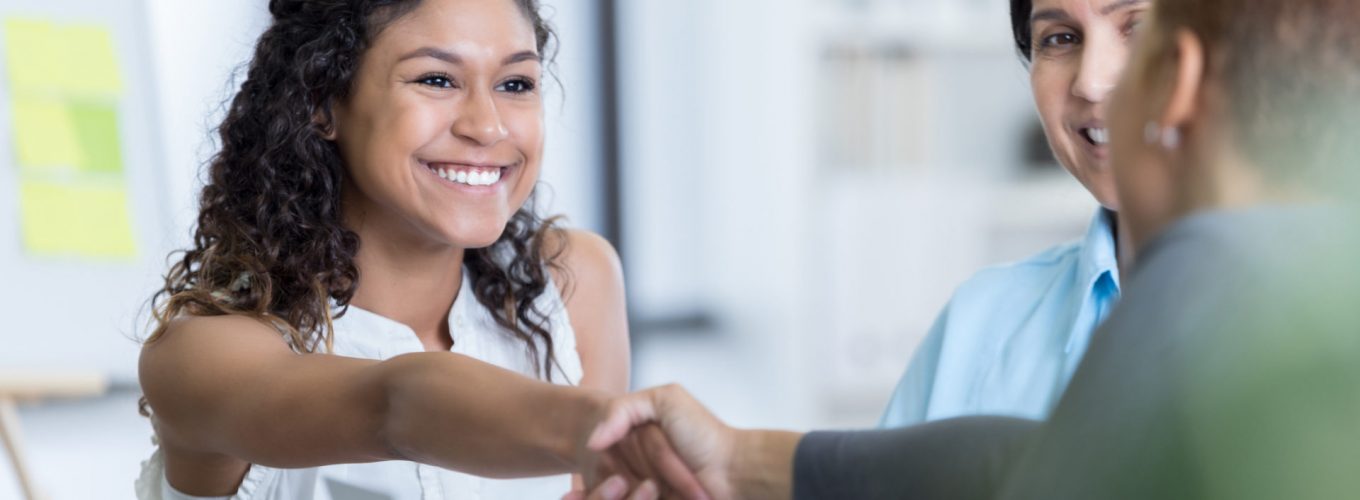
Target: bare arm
230,386
591,281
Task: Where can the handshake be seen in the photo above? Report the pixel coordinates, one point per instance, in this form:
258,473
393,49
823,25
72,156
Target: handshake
662,443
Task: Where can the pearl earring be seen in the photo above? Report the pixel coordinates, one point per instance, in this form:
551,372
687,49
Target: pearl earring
1169,138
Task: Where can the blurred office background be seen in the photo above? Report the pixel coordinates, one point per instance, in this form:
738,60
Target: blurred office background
795,186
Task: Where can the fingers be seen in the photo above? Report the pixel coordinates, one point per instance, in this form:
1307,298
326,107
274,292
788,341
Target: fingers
632,452
613,464
615,488
668,466
647,491
646,453
634,441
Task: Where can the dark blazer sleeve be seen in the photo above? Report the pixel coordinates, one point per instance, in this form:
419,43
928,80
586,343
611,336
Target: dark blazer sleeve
962,458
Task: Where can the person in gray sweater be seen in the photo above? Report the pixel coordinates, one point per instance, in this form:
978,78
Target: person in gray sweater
1230,369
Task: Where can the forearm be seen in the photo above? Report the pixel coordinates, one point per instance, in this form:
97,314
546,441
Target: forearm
462,414
961,458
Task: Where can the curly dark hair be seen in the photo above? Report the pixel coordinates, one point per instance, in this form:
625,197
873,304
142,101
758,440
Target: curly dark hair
271,242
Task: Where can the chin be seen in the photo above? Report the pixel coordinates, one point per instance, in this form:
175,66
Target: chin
475,235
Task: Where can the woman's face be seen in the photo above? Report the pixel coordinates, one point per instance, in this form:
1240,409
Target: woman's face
442,134
1079,51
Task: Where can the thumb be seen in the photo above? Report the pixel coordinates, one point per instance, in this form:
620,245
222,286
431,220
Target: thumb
624,413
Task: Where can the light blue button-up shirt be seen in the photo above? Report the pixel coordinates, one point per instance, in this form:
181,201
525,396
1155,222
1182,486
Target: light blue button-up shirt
1012,335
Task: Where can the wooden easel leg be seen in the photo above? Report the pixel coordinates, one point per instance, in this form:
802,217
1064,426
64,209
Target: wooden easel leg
9,434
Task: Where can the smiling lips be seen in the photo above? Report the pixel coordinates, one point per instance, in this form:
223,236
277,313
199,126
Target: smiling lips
1097,136
467,174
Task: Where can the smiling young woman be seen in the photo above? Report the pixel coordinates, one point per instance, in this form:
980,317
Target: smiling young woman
370,295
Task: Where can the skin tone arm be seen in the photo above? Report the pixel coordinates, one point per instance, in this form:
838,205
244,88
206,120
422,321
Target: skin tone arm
591,284
227,392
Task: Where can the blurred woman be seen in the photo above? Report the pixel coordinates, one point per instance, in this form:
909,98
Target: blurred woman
369,293
1012,335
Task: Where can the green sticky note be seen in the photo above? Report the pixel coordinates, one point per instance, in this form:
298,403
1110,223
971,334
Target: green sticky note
96,127
46,135
76,220
69,58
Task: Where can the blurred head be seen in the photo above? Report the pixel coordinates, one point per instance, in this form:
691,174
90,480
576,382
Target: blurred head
1076,50
417,120
1229,103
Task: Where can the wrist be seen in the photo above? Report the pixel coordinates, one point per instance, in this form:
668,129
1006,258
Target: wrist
582,412
761,464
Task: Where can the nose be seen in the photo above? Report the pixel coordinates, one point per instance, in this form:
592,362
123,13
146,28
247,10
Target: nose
1101,63
479,121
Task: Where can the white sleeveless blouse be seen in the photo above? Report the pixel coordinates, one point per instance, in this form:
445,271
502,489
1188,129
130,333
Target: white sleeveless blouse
363,334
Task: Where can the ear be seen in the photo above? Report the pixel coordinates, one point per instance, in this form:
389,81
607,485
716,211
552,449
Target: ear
1187,82
324,121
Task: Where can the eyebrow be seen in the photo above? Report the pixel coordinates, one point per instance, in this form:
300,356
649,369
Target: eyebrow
1061,15
451,58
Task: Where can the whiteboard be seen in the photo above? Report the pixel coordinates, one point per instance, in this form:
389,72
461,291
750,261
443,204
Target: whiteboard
59,313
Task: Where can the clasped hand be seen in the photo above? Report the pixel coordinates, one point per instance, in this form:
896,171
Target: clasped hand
658,443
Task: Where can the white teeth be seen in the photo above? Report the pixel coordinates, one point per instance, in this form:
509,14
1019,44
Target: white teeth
471,178
1099,136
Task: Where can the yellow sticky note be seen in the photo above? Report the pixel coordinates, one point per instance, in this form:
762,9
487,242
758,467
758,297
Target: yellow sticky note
90,64
46,135
76,220
32,59
71,58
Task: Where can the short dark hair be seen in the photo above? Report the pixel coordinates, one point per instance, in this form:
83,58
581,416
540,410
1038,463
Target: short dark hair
1020,12
1290,72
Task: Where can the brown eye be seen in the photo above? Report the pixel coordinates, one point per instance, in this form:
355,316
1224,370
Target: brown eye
1059,40
436,80
517,86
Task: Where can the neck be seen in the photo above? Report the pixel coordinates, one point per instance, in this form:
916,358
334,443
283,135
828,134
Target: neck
1226,184
404,278
1124,248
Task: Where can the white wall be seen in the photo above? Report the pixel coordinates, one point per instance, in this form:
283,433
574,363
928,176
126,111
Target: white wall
197,47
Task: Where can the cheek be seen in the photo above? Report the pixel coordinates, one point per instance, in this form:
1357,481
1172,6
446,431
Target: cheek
1051,85
388,136
526,128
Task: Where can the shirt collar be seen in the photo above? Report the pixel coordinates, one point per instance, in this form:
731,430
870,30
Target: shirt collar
1098,254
